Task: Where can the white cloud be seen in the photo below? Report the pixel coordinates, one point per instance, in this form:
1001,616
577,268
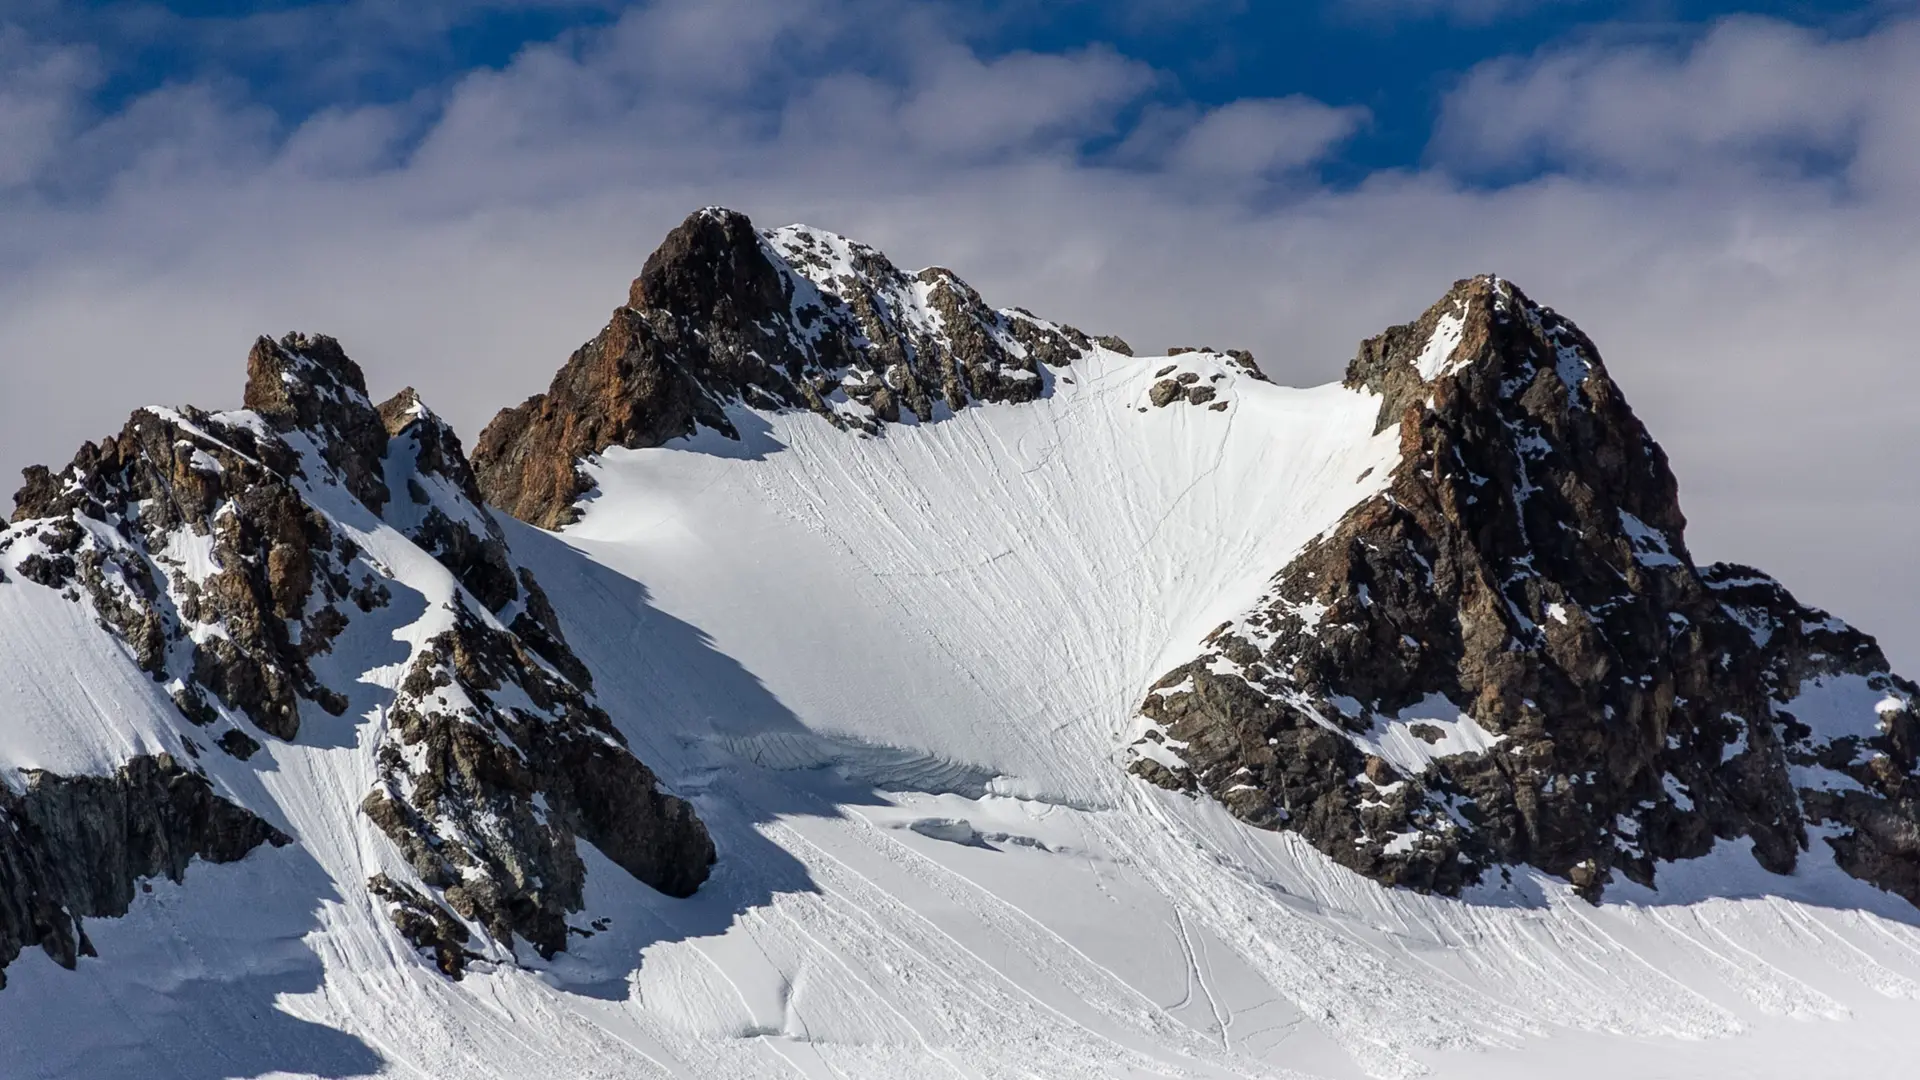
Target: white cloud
1261,138
42,90
1020,102
1753,94
1753,307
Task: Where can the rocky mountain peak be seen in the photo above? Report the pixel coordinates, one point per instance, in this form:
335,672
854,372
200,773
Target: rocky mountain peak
234,555
1508,655
1488,377
303,383
724,317
711,258
1483,339
300,380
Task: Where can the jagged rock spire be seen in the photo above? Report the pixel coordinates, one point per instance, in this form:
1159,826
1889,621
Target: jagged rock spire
303,383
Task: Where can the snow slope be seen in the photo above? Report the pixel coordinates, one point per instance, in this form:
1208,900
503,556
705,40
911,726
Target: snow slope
895,675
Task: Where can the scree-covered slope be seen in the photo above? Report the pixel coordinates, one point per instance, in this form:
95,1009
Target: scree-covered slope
1044,710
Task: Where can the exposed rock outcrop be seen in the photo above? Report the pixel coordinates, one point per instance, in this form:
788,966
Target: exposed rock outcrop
493,765
307,385
1509,657
194,539
427,925
442,511
76,847
227,551
789,319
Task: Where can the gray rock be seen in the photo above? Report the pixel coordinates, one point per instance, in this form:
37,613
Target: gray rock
1165,392
75,847
1527,567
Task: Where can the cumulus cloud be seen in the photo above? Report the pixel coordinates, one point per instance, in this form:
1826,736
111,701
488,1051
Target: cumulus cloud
1753,94
42,92
1746,266
1249,140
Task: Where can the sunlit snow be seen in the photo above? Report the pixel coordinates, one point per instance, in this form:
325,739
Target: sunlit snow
896,675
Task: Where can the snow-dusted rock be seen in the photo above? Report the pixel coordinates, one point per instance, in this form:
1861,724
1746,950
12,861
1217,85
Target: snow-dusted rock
794,318
251,565
1508,656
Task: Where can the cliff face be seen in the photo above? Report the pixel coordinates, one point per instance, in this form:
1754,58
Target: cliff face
1508,656
722,315
75,847
228,552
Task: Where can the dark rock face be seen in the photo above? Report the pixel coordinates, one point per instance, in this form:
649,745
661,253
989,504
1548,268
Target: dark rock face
121,522
1508,656
75,847
437,489
426,925
215,546
444,514
485,798
307,384
791,319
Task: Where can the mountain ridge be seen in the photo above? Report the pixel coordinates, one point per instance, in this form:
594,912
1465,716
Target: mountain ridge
227,552
1441,574
795,318
1526,561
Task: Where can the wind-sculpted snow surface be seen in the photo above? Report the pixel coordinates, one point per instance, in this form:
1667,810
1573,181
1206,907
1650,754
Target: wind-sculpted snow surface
897,667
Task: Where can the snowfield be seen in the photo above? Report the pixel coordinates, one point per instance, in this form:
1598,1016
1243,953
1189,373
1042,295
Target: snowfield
895,675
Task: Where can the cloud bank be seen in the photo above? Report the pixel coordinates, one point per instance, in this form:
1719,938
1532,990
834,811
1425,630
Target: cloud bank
1733,219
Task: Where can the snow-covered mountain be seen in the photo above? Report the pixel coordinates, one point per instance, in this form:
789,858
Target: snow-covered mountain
914,687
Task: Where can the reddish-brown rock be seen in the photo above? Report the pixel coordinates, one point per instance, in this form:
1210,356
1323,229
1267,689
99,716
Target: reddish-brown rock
724,316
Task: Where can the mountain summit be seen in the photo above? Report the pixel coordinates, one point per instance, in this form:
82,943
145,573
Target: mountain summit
793,319
832,674
255,565
1507,656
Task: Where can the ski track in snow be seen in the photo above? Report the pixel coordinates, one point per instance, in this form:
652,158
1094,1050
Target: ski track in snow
823,639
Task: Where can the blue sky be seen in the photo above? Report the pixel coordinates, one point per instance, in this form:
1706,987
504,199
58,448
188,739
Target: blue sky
1726,196
1395,58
